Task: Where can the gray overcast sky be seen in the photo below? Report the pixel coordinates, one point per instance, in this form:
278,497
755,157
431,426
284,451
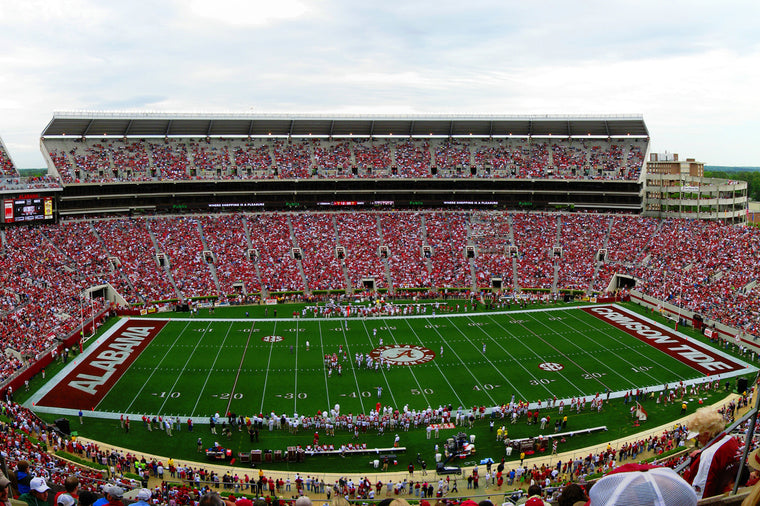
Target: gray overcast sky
692,68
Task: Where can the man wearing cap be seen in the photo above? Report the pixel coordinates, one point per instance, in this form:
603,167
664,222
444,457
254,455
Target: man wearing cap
65,500
6,498
143,496
38,493
112,496
643,485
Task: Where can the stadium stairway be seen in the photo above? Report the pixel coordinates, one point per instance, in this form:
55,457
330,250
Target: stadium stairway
423,232
211,266
117,265
299,261
598,264
249,246
342,261
471,261
514,260
386,266
167,266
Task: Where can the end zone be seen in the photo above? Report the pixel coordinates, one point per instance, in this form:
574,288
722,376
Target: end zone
702,358
97,371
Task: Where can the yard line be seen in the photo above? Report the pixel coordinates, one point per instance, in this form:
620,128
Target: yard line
137,395
348,352
485,356
644,355
210,371
388,385
422,389
518,394
576,364
295,373
324,369
266,374
587,354
567,380
234,385
461,402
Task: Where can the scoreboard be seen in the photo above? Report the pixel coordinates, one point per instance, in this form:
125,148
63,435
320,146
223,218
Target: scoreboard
28,209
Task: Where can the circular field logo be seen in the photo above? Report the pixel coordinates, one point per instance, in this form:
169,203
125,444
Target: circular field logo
403,354
551,366
272,339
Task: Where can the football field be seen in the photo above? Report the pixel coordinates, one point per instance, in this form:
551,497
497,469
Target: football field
195,367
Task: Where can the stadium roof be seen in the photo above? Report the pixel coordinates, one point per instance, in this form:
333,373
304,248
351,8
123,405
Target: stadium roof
214,125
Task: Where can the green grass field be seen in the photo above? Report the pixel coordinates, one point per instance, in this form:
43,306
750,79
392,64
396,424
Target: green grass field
227,362
199,367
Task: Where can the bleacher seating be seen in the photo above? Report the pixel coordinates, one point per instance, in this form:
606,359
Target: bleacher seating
402,235
707,267
315,235
7,169
178,159
490,235
357,233
179,239
270,236
225,237
447,235
535,235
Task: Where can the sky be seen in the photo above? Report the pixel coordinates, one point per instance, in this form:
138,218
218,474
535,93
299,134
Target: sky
691,68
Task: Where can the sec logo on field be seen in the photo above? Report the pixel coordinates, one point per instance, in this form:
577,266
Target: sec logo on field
403,354
551,366
272,339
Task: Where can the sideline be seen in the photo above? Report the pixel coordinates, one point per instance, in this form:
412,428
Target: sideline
374,476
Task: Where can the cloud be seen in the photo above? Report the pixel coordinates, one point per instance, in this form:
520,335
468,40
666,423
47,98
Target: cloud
687,66
241,13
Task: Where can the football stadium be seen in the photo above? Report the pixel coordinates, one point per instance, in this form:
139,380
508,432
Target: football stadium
369,306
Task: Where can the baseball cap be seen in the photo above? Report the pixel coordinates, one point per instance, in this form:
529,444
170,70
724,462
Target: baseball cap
38,485
534,501
4,482
144,494
469,502
113,490
66,500
660,486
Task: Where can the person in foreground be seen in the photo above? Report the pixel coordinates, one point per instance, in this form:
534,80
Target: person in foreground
642,485
710,464
38,493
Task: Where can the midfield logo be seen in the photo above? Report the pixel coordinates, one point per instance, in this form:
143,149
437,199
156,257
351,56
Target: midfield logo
403,354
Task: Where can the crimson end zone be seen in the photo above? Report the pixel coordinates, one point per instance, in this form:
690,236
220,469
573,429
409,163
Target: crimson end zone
89,378
703,358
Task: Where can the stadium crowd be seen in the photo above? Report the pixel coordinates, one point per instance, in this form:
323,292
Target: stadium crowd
113,160
30,446
707,267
